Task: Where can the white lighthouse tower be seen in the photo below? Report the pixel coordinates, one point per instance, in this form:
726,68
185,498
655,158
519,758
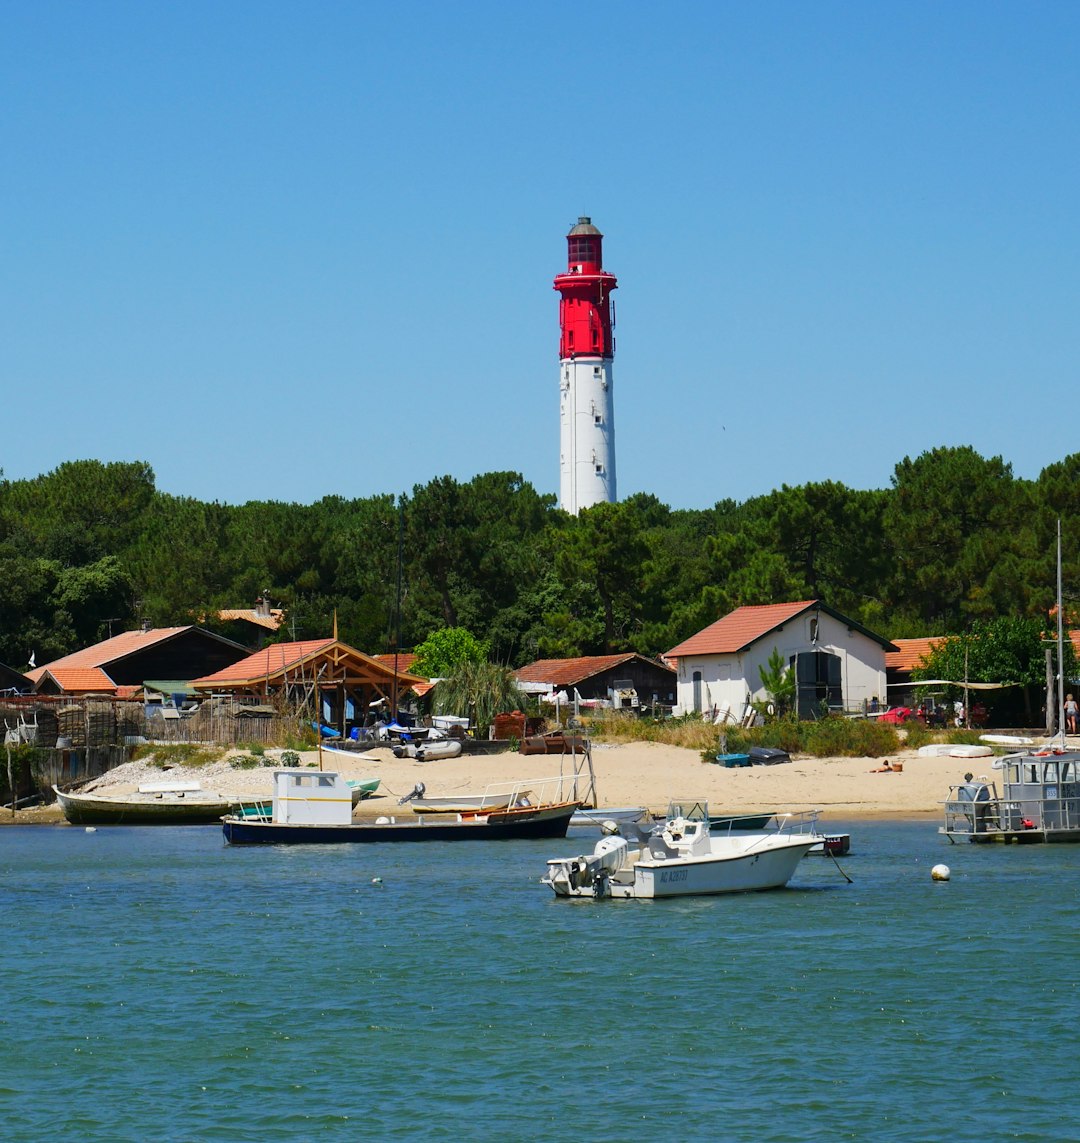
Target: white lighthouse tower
586,356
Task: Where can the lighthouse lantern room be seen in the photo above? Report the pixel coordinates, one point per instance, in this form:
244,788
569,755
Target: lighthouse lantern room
586,356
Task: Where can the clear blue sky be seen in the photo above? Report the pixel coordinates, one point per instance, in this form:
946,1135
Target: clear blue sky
284,250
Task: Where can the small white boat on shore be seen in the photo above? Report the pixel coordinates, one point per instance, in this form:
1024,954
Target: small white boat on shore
461,804
683,858
1007,739
432,751
621,815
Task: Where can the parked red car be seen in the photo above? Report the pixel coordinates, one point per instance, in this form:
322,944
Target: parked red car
899,714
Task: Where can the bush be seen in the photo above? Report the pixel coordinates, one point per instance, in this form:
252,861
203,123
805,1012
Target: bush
963,736
917,734
290,758
177,754
826,738
244,762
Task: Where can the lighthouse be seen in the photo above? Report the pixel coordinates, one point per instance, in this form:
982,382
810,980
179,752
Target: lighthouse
586,356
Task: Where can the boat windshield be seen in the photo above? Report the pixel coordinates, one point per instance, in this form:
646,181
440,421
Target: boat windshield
691,809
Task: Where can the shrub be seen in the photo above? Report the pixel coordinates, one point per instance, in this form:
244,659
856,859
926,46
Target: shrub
162,756
917,734
826,738
290,758
963,736
244,762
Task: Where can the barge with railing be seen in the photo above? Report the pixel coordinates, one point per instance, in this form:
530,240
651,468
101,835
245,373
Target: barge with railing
1039,801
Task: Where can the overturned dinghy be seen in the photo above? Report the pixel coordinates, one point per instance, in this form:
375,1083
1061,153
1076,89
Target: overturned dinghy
440,748
683,858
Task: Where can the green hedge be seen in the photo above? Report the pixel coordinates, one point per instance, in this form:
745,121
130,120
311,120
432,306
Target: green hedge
826,738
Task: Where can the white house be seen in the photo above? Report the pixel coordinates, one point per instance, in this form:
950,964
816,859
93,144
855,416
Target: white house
837,662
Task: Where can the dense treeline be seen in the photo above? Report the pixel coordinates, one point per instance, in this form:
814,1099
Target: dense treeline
92,548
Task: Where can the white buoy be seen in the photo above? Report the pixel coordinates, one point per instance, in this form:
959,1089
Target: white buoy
376,881
91,829
940,873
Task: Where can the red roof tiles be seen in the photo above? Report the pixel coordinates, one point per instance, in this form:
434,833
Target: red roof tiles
269,661
78,680
911,653
739,628
108,650
570,672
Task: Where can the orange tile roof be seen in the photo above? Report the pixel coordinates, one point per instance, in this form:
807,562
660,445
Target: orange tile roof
279,658
739,628
911,653
79,679
405,659
109,650
269,661
570,672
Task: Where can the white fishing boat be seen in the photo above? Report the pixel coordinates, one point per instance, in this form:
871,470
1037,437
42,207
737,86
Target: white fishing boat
682,857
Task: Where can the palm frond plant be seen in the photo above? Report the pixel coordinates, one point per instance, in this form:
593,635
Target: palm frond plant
481,691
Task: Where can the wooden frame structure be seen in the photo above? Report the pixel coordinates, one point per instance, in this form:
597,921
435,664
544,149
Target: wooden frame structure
309,674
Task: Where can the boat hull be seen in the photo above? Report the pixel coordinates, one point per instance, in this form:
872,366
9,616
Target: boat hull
90,809
748,864
749,872
464,805
621,815
541,822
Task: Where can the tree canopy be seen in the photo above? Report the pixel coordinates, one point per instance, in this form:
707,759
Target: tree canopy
957,539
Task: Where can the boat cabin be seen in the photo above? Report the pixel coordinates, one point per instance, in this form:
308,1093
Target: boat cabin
1039,801
311,797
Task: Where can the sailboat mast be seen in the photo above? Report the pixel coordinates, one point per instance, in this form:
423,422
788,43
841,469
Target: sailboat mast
1061,643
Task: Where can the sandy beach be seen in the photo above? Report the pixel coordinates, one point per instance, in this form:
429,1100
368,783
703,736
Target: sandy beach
629,774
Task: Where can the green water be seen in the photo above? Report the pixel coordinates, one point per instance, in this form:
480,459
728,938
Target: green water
162,986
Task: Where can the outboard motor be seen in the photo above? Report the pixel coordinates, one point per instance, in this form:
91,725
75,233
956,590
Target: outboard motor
416,792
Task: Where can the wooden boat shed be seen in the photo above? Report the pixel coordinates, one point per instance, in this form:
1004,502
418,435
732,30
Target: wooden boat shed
324,674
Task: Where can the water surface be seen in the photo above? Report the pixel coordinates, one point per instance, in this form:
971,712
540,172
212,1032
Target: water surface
161,985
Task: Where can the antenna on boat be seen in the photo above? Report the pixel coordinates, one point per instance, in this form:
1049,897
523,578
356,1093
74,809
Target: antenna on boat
1060,646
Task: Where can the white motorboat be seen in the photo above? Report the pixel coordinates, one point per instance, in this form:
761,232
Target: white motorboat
682,857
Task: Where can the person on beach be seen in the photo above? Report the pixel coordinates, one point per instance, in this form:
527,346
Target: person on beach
886,769
1071,712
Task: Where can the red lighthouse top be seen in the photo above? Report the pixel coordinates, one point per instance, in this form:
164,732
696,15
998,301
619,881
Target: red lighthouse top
585,317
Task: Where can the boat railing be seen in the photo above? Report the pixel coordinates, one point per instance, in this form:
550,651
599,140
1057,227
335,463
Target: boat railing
797,823
257,808
967,812
533,792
